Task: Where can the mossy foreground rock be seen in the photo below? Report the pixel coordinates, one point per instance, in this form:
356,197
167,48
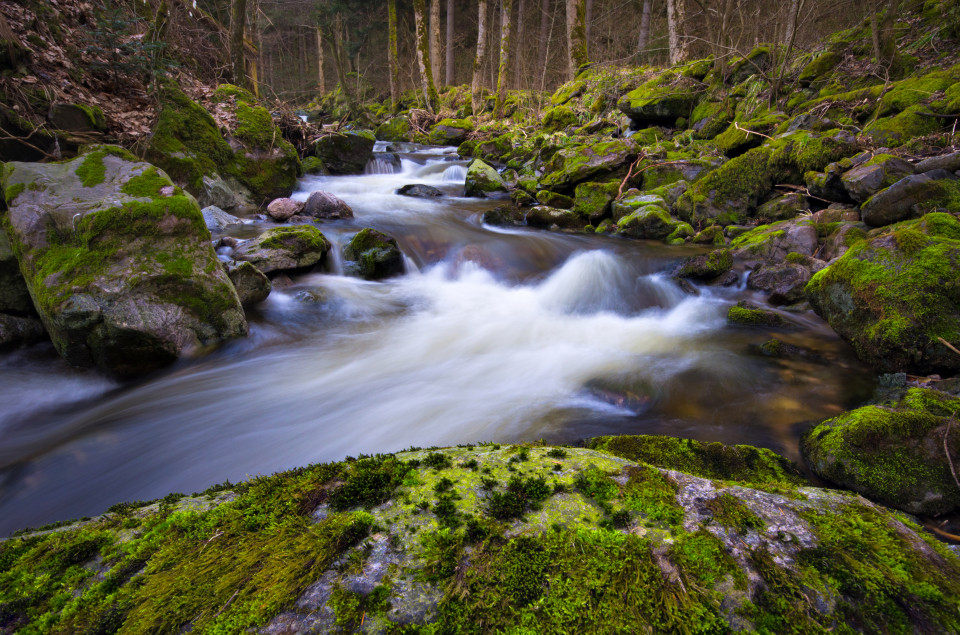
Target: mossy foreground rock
284,248
488,539
374,255
345,152
118,261
893,455
894,295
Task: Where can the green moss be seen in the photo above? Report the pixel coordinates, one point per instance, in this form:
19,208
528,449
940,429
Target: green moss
255,127
92,171
704,561
146,185
225,91
819,66
743,463
653,494
11,193
307,237
730,511
745,315
558,118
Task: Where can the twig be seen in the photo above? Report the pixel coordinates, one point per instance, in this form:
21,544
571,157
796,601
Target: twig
630,173
216,535
745,131
942,533
948,345
946,450
224,607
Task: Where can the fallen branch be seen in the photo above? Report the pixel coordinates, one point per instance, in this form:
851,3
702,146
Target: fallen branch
630,173
942,533
745,131
948,345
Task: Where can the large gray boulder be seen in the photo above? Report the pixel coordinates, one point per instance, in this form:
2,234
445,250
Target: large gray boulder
880,172
325,205
910,196
118,262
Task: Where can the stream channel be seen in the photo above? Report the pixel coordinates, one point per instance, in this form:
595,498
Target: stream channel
492,335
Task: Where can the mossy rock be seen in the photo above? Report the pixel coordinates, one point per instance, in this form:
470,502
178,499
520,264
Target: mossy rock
284,248
548,217
483,180
710,118
879,172
118,262
374,255
228,93
736,139
670,172
503,215
592,200
743,463
264,162
572,165
395,129
494,538
773,243
892,454
553,199
746,314
313,165
14,294
650,221
712,235
558,118
731,193
911,196
893,295
662,100
818,67
756,62
77,118
345,152
186,143
450,132
706,266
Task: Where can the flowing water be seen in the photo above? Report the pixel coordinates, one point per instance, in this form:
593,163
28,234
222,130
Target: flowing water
493,334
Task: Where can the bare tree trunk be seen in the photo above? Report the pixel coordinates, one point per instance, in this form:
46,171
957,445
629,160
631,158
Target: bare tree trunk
253,72
321,80
238,16
676,14
796,6
519,74
644,30
450,69
478,59
576,36
435,41
423,55
545,21
502,76
393,58
887,43
587,24
340,61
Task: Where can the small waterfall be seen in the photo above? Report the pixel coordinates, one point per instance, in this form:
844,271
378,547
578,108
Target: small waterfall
381,165
455,173
335,258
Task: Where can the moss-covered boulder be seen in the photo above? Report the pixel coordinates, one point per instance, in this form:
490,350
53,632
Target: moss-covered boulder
395,129
773,243
284,248
818,67
731,193
662,100
373,255
746,314
649,221
118,262
187,144
707,266
576,164
554,199
450,132
558,118
547,217
911,196
893,295
503,215
879,172
483,180
592,200
659,174
893,454
76,117
345,152
495,538
783,207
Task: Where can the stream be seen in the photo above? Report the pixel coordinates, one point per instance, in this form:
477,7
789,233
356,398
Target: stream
492,335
